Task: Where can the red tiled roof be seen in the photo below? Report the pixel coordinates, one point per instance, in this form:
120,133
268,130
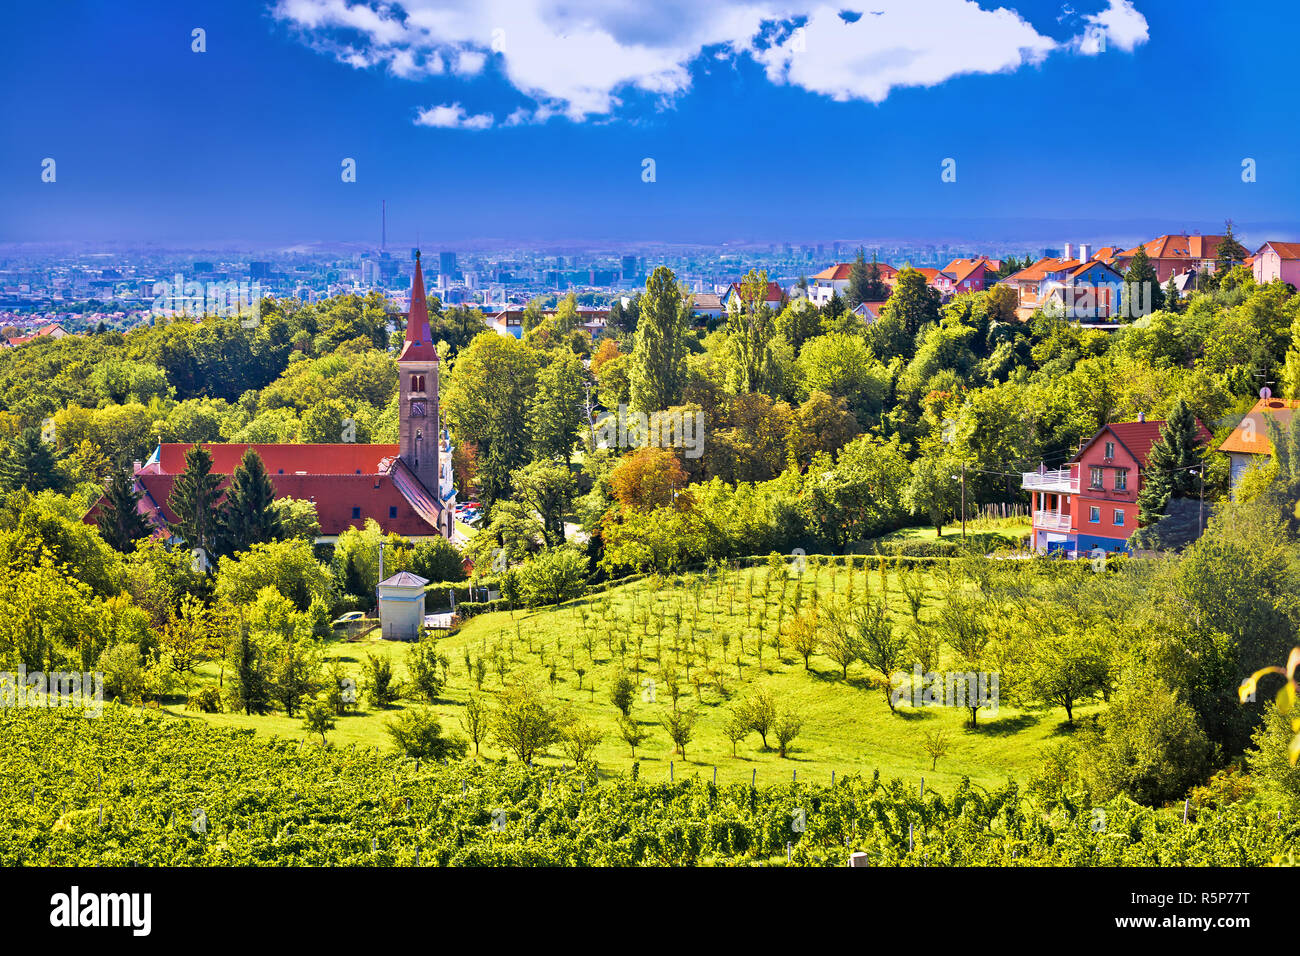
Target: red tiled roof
773,291
962,269
1178,247
1137,437
341,459
334,496
840,271
1287,250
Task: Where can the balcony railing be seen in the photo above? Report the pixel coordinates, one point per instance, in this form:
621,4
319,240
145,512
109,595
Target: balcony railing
1051,521
1061,481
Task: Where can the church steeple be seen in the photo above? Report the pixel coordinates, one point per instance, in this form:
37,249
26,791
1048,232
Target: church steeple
417,367
419,340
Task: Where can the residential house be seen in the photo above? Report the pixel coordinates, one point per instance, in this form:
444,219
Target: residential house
706,305
836,279
941,280
971,275
1171,255
1277,260
52,330
1249,442
774,296
868,312
1073,288
511,321
1092,502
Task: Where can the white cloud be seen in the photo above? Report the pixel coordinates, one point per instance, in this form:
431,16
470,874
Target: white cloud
453,117
581,58
1122,24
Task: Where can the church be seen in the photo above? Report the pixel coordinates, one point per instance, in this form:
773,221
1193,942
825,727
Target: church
407,488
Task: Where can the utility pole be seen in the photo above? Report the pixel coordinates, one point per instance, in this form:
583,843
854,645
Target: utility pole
1200,518
963,501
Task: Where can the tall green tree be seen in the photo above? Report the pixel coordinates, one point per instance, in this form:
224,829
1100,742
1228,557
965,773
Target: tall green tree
859,281
248,516
547,487
1230,251
1173,465
487,401
195,501
120,521
31,463
751,325
658,371
1142,293
913,305
876,289
556,412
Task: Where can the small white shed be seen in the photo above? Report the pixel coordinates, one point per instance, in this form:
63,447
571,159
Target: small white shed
401,607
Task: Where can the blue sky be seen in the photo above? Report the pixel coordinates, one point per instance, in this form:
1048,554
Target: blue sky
529,120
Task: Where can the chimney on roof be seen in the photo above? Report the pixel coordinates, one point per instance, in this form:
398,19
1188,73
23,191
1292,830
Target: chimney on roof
1068,247
1142,416
1083,252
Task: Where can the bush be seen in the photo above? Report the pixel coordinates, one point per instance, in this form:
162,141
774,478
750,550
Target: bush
553,577
206,700
418,734
437,560
382,688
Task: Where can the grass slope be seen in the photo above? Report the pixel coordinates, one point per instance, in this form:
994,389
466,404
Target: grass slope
847,724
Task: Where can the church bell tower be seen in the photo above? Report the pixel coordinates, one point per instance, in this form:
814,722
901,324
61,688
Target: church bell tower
417,367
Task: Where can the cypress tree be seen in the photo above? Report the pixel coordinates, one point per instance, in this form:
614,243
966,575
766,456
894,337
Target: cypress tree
248,516
1171,296
859,281
1172,468
1230,251
194,500
876,289
31,463
120,521
1140,281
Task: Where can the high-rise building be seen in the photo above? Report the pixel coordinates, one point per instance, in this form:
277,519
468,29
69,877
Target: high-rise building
447,264
629,268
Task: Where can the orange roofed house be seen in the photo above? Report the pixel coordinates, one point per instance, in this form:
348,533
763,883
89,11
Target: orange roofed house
836,279
407,487
1249,442
1092,502
1174,255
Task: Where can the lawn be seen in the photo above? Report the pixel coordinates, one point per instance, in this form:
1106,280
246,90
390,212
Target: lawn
847,724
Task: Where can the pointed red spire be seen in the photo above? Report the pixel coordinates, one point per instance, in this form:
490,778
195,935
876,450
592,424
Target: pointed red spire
419,340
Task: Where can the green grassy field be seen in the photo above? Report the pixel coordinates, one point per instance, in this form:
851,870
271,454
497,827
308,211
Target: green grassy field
847,724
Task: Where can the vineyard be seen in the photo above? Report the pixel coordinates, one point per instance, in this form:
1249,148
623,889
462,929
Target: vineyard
133,788
712,638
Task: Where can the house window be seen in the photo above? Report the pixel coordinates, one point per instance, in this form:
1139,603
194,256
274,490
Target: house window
1121,479
1110,449
356,512
1096,473
1094,514
1119,518
392,511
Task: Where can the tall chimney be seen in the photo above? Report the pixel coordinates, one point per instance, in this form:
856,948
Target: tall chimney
1083,252
1068,247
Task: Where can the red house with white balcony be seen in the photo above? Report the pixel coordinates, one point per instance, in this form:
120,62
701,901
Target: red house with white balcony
1092,502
